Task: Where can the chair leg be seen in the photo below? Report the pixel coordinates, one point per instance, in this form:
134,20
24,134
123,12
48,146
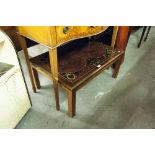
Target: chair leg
24,47
71,103
36,78
116,68
144,29
147,33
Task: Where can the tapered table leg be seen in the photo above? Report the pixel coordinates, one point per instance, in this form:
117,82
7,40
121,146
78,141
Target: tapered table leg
117,67
35,78
141,38
147,33
71,103
114,36
54,70
24,47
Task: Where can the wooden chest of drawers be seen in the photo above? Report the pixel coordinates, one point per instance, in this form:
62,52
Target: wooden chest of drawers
73,32
53,36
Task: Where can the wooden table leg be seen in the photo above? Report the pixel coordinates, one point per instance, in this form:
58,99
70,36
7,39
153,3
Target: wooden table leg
114,36
147,33
117,67
71,103
24,47
35,78
54,70
141,38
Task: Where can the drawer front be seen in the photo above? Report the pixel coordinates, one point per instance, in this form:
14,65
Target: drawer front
67,33
40,34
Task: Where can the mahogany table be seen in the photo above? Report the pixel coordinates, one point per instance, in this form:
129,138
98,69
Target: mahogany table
57,36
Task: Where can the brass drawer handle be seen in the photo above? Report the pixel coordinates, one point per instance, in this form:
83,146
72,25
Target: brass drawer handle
65,30
92,26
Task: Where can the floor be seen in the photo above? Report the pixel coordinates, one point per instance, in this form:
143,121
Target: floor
105,103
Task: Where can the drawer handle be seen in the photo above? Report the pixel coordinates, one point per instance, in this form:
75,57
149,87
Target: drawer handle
65,30
92,26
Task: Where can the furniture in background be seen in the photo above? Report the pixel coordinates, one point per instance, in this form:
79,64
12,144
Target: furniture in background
14,98
10,31
64,69
146,29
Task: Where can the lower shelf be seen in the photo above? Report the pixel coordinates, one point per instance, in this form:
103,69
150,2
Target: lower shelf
77,66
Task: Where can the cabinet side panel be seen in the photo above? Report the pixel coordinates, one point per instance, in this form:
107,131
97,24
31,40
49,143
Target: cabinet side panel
39,34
